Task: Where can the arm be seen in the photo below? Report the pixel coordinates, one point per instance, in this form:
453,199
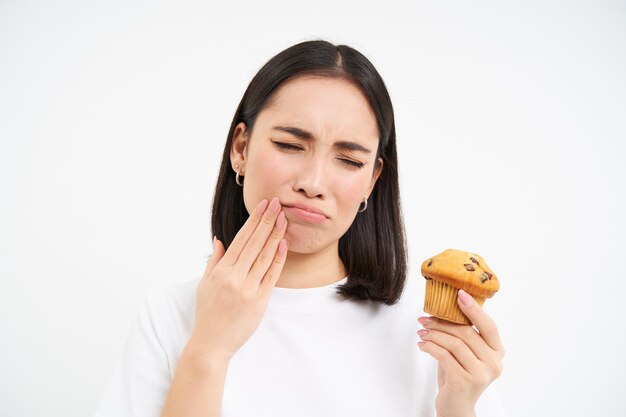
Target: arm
198,385
231,299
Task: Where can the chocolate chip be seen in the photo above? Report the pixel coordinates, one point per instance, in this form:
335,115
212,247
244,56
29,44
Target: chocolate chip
430,263
488,274
484,277
469,267
474,260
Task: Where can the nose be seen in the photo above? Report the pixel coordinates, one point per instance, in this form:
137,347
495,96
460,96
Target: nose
311,178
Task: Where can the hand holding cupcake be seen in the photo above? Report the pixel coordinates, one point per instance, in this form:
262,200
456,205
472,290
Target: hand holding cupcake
469,357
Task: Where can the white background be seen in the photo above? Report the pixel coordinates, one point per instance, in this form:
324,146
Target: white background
511,132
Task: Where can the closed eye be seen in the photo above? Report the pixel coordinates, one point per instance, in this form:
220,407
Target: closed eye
297,148
352,163
287,146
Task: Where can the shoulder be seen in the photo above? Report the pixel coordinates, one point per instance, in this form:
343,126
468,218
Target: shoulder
172,294
171,305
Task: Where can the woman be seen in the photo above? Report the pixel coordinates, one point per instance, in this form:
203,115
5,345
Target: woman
298,311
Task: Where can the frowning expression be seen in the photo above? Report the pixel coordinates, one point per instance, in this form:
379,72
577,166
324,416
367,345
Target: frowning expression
313,146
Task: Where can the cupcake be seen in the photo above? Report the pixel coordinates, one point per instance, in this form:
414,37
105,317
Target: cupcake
451,271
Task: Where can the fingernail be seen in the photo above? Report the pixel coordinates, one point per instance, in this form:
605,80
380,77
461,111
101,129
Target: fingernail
274,205
422,332
280,221
261,207
424,321
282,246
465,298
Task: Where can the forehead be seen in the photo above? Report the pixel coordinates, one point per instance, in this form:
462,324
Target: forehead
328,107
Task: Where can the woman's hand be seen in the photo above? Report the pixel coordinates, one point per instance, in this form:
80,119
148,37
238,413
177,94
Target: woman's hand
233,294
469,360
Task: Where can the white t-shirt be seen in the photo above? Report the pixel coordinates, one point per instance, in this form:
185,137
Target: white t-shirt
313,354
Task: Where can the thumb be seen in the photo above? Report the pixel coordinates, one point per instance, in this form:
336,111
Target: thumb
218,253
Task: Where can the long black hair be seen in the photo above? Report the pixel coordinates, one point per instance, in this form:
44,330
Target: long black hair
373,249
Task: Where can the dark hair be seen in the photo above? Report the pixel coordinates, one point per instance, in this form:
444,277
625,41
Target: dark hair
373,249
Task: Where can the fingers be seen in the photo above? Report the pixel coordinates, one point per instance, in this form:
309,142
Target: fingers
259,239
243,235
273,273
482,321
218,253
457,347
446,360
268,255
464,332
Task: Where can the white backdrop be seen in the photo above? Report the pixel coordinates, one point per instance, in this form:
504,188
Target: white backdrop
511,132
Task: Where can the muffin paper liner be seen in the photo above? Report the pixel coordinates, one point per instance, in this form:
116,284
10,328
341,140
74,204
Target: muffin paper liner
441,302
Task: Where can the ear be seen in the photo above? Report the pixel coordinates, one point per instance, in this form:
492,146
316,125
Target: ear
378,168
239,147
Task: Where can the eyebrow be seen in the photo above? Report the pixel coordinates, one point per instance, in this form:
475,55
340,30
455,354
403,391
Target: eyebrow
308,136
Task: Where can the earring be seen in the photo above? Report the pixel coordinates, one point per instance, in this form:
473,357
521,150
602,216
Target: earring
362,210
237,176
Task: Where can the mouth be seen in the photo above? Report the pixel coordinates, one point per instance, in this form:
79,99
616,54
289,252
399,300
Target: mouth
304,207
305,215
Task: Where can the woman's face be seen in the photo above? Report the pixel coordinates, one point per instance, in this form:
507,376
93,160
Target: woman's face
305,150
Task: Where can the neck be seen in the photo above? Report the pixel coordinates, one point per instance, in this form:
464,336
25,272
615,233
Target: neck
309,270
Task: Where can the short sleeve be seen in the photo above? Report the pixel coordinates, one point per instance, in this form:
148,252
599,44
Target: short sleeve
142,377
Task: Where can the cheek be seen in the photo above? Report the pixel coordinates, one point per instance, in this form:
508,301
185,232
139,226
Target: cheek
349,197
259,183
272,172
266,177
354,190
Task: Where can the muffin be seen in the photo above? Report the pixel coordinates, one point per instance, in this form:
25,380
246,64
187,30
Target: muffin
451,271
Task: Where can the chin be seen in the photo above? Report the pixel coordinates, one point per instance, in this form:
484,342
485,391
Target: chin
302,242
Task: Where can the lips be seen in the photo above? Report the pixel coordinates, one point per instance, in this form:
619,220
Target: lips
294,213
304,207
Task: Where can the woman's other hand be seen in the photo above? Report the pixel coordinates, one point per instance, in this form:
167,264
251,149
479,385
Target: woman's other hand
468,360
